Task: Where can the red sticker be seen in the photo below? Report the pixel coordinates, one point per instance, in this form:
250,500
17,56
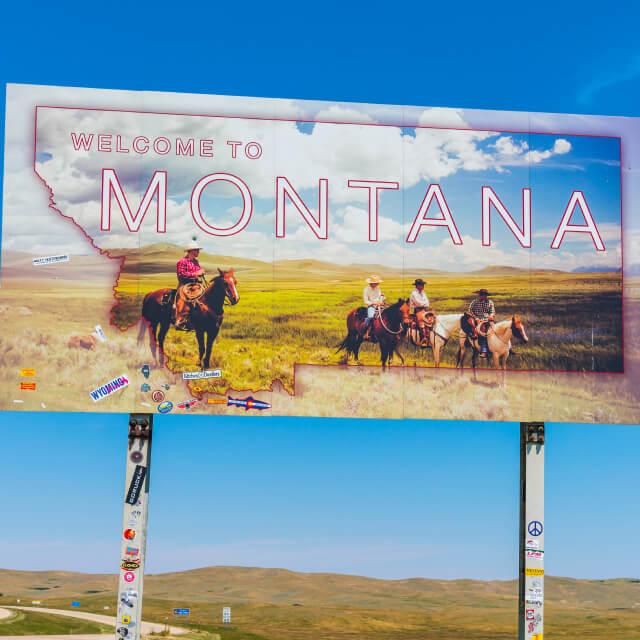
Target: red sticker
129,576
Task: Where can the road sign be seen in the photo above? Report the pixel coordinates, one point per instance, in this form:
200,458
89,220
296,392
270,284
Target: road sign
226,615
75,603
181,612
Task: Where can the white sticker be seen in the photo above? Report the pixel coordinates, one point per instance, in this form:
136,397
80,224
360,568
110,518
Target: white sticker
532,544
50,259
201,375
100,333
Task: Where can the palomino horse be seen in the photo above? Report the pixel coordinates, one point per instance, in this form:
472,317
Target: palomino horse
444,327
206,315
387,328
498,340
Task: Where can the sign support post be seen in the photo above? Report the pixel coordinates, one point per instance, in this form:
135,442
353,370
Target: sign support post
134,528
531,547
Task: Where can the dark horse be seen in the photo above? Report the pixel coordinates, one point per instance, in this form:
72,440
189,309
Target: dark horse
206,315
387,329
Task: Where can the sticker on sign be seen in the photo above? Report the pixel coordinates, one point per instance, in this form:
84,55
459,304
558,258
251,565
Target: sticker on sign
51,259
529,571
201,375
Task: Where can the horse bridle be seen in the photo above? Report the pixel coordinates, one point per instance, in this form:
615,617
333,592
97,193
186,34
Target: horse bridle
384,326
226,302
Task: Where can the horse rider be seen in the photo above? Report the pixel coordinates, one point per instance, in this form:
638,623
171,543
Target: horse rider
419,304
483,311
374,301
189,271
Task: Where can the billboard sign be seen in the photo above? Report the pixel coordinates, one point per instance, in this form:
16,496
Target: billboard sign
274,257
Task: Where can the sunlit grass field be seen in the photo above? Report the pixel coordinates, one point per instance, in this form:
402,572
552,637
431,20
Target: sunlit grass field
573,322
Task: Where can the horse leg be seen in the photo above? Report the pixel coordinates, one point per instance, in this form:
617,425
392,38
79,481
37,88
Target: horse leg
461,354
435,347
396,350
356,347
474,362
201,349
211,335
384,355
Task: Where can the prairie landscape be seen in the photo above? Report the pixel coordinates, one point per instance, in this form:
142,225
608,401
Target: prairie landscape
289,320
275,604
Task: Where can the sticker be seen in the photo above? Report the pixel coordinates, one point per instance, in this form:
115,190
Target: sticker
157,396
27,386
196,389
132,551
532,544
165,387
51,259
136,486
145,404
202,375
129,534
100,333
165,407
531,614
126,619
135,513
248,403
536,555
136,456
145,387
187,404
129,576
18,401
109,388
123,631
146,370
27,373
42,405
130,564
529,571
535,528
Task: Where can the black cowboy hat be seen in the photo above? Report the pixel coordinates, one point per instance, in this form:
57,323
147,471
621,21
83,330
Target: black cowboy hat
418,281
482,292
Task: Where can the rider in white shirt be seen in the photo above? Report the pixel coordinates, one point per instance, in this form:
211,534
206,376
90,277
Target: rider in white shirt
419,303
373,299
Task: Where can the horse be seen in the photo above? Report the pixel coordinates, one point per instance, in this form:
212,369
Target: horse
387,328
444,327
206,315
498,341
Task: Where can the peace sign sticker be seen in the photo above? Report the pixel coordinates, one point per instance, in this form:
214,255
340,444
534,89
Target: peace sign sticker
535,528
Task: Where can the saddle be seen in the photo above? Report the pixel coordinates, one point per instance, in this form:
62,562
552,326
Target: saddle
468,324
168,298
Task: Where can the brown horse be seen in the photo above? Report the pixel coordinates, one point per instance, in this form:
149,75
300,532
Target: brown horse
387,330
206,315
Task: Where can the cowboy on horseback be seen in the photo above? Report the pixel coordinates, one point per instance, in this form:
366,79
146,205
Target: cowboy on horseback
189,273
374,301
419,304
483,311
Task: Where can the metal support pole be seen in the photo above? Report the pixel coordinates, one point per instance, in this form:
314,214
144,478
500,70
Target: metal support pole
134,528
531,574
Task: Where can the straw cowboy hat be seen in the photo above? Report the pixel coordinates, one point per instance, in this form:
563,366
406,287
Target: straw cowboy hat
374,280
192,246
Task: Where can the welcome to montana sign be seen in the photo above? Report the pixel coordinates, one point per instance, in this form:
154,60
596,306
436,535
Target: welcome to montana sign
294,226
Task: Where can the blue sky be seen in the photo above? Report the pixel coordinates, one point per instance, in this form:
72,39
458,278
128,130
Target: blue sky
387,499
435,499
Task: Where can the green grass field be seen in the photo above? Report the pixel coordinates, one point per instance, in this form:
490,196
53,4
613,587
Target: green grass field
272,342
25,623
573,322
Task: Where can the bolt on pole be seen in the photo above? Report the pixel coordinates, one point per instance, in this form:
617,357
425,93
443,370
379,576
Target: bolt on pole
531,543
134,528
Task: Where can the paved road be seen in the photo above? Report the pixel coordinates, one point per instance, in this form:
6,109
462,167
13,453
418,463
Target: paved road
5,613
147,627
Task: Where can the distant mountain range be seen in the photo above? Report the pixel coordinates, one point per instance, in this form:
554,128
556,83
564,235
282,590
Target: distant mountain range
280,586
162,258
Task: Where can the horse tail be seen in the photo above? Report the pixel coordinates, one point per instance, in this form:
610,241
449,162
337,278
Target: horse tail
144,325
144,315
347,344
